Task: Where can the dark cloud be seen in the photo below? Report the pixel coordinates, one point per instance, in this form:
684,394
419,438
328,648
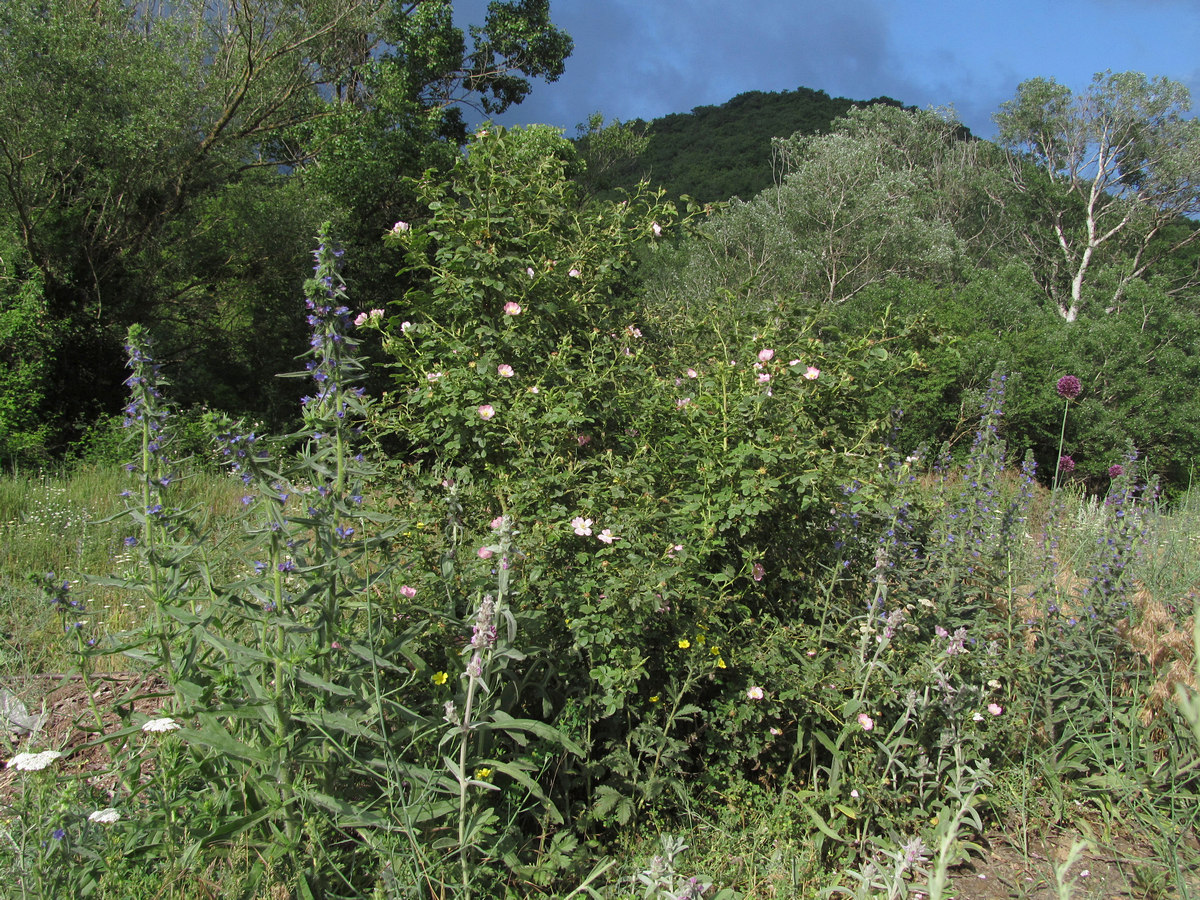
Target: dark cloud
648,58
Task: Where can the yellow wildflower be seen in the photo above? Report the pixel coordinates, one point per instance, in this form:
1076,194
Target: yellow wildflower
720,663
439,678
684,643
654,699
483,773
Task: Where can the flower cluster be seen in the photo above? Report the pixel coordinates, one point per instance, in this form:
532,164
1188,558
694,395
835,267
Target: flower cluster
583,528
333,363
160,726
1069,387
33,762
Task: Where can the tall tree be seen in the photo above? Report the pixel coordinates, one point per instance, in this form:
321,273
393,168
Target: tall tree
139,136
1123,162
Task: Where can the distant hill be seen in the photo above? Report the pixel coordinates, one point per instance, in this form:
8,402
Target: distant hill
714,153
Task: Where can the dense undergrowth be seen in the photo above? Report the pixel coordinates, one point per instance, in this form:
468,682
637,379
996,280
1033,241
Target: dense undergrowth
570,609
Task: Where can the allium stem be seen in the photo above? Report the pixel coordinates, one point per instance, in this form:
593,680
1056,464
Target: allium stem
1062,434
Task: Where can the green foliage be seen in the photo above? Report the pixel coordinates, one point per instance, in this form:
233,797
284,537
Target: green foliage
29,343
668,491
715,153
717,571
166,163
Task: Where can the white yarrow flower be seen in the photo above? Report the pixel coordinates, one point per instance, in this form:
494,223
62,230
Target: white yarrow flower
107,816
158,726
32,762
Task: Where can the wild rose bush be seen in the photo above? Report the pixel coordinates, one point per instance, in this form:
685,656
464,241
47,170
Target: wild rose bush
670,498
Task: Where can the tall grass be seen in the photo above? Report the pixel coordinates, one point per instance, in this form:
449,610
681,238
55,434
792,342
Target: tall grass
63,522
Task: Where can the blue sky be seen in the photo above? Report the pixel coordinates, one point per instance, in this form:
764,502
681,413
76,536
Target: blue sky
648,58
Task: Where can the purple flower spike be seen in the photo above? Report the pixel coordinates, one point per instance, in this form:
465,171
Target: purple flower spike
1069,387
1066,465
1115,471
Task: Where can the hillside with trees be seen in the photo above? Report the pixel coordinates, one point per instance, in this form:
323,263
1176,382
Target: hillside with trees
717,152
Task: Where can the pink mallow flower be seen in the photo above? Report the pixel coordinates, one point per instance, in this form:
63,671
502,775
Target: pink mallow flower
754,693
766,355
504,370
408,592
484,553
812,373
607,536
512,308
995,709
486,411
582,526
866,721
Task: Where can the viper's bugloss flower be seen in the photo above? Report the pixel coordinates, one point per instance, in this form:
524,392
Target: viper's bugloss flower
1066,465
1069,387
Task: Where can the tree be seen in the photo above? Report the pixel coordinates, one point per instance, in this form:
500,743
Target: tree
136,134
1124,164
852,208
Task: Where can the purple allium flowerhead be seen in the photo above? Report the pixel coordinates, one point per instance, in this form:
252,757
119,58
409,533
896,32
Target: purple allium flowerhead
1069,387
1066,465
1115,471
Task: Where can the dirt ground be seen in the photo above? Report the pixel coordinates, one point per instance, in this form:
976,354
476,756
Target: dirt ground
71,724
1123,868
